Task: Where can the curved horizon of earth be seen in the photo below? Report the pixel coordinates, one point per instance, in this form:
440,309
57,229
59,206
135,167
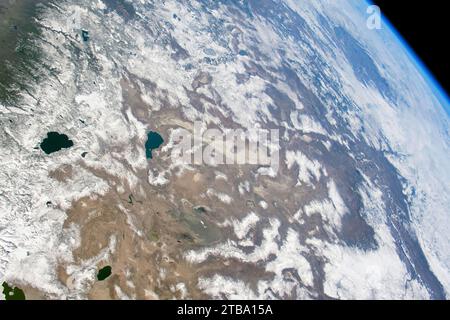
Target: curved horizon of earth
358,208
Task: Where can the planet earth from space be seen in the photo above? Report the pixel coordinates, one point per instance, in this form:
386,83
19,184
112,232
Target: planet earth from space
94,203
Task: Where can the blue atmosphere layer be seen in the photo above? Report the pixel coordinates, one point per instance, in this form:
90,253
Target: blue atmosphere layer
440,92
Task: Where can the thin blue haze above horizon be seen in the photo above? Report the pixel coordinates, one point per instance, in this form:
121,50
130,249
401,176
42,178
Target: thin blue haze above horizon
441,94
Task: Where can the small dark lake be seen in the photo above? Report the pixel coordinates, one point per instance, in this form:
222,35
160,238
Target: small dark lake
55,142
85,35
11,293
104,273
154,141
243,53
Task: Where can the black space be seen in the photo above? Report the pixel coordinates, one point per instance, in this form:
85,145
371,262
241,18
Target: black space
425,26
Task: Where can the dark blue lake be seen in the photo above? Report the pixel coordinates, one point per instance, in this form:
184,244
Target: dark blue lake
55,142
154,141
